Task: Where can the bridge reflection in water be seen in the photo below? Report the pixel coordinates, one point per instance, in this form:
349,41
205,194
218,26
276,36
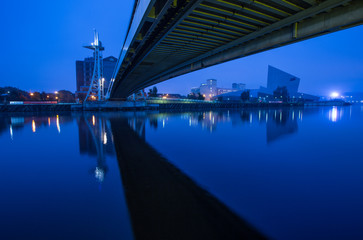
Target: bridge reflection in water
163,202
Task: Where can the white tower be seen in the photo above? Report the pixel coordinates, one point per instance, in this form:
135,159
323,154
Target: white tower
96,88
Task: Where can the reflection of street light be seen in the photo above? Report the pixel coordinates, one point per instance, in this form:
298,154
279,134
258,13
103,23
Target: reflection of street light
58,125
34,128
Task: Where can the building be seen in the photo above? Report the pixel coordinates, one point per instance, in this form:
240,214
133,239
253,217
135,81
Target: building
209,89
278,78
238,86
195,91
84,73
235,87
353,97
225,90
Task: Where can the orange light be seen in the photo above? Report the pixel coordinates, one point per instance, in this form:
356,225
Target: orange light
34,128
31,94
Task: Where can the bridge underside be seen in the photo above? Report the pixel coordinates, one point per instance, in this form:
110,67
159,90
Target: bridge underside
180,36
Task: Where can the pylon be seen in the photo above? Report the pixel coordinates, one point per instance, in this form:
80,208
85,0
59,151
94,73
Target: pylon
96,88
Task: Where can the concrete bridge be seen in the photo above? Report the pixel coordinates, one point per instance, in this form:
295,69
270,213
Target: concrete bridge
168,38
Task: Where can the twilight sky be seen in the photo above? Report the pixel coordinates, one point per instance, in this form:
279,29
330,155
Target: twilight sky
42,39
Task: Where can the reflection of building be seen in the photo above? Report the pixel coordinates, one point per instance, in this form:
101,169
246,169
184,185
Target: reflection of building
284,122
210,89
84,73
278,122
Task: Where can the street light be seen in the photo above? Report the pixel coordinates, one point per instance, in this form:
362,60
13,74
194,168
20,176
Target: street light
334,95
56,95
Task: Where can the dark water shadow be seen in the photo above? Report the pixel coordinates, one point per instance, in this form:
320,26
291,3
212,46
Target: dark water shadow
163,202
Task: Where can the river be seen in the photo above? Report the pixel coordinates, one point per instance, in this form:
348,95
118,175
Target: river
289,173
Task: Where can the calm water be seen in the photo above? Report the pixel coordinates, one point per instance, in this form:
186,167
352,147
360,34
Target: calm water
275,174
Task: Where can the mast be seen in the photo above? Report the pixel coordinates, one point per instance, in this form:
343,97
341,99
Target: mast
96,88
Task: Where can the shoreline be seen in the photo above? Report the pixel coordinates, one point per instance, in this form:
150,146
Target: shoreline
144,106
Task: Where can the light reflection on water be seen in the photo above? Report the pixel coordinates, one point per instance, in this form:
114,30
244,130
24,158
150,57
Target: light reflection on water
269,166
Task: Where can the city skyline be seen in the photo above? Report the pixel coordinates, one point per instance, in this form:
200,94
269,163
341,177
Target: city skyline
52,40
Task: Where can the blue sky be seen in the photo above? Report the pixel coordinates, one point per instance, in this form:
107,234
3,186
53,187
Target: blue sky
42,40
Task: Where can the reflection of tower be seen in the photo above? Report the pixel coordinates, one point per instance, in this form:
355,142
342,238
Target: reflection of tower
98,130
96,88
138,125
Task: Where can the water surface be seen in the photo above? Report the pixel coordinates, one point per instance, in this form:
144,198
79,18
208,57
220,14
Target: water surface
263,173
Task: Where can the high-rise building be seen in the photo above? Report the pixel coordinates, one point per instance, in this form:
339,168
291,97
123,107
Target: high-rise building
84,72
209,89
212,82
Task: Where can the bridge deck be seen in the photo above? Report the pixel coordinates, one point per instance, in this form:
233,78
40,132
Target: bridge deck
175,37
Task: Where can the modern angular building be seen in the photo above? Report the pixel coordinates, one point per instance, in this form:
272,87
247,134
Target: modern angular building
278,78
84,72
